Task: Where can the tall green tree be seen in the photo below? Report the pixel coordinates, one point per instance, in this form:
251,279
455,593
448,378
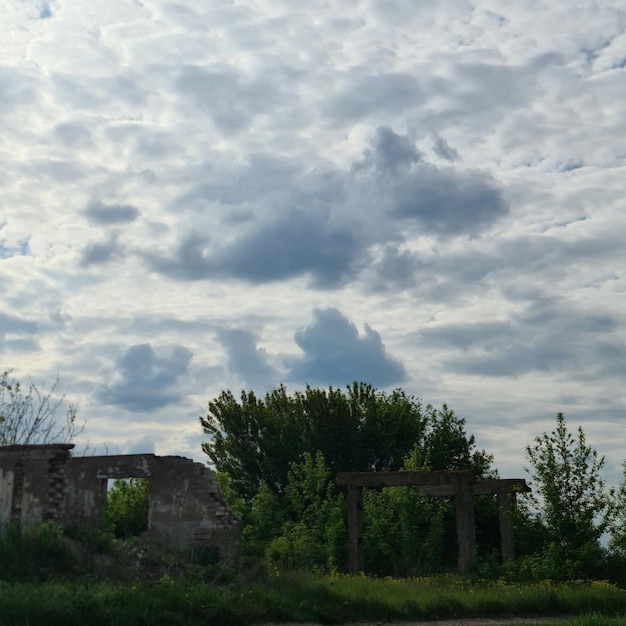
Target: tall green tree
279,456
254,441
566,472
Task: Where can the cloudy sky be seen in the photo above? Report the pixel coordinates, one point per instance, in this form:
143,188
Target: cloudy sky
198,196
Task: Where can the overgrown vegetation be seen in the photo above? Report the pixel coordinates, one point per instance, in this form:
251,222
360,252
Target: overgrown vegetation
298,597
127,507
276,460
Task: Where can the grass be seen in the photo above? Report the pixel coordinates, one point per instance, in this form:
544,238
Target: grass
301,597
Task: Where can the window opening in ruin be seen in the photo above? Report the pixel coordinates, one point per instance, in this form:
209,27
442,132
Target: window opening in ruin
126,512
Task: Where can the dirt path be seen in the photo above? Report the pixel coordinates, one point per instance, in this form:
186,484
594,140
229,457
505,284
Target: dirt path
472,621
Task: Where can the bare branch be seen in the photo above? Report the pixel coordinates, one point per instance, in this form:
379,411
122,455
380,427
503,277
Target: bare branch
29,416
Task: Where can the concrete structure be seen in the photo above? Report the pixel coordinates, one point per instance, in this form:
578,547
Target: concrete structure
186,506
460,485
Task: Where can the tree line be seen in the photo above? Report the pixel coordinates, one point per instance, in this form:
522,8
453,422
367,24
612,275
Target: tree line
276,458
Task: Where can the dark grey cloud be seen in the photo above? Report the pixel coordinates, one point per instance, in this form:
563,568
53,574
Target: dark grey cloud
336,354
301,243
98,253
387,197
389,152
549,335
481,334
395,269
106,214
444,201
443,150
18,335
10,324
448,202
145,381
298,244
372,94
21,345
247,362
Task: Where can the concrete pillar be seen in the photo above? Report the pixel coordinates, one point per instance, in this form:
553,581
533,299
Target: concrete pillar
506,503
465,526
355,529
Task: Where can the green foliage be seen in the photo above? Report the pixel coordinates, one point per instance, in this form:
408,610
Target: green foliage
314,536
255,441
127,507
576,507
30,415
278,458
263,522
405,531
37,552
618,525
301,598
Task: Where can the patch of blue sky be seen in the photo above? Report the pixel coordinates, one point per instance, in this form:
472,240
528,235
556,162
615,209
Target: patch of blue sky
22,248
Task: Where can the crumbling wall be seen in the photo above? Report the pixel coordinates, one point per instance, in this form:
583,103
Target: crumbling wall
186,507
33,483
185,504
85,497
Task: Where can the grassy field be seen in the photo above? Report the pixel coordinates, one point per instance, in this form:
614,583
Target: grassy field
302,597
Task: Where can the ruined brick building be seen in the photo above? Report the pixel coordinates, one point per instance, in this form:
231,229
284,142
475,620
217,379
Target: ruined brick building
186,506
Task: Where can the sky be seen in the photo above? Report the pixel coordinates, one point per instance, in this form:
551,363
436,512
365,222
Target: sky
201,196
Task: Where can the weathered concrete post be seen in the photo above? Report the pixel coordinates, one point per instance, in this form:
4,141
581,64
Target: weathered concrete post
355,529
506,504
465,522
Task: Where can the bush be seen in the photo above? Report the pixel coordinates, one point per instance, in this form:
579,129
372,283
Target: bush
37,552
127,507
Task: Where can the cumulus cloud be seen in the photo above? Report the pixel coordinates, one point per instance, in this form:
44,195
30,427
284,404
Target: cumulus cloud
98,253
341,216
144,381
336,353
300,244
459,167
246,361
444,201
107,214
548,335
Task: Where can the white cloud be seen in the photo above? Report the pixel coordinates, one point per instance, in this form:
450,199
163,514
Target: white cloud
200,177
